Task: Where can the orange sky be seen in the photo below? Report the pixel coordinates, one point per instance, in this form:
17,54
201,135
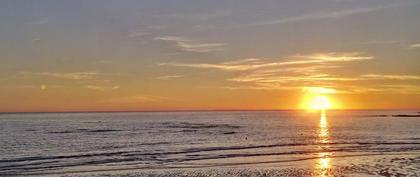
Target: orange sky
135,55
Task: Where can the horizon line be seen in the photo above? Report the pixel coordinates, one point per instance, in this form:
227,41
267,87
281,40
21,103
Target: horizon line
202,110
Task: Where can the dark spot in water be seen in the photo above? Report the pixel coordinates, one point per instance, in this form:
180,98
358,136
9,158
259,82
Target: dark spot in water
189,130
62,132
395,115
83,130
103,130
380,115
93,122
229,133
188,125
406,115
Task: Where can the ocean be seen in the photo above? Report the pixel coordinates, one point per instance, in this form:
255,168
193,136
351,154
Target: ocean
224,143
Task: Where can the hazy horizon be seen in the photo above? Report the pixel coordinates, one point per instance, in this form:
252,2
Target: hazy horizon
213,110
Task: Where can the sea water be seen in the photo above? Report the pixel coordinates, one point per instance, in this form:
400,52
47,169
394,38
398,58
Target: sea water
225,143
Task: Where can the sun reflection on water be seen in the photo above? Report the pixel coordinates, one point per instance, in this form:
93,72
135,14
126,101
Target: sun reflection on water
324,162
323,128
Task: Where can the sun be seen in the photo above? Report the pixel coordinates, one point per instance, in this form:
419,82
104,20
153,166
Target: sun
319,102
319,98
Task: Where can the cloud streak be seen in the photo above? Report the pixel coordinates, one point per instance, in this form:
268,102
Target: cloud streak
380,42
101,88
327,15
188,45
412,46
256,63
308,73
168,77
391,77
354,56
69,75
143,99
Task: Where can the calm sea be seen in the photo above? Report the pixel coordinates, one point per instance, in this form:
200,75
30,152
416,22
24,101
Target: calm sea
264,143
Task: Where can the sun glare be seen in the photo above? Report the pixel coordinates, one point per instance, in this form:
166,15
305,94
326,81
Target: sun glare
319,98
320,102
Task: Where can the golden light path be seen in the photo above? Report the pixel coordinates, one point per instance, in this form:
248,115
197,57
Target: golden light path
324,162
318,100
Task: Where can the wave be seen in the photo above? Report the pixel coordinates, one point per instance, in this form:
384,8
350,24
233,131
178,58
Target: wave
35,163
204,149
404,165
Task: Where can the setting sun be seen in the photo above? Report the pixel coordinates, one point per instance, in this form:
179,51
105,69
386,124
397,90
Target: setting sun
319,98
320,102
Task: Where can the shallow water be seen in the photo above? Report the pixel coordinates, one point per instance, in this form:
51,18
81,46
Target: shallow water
277,143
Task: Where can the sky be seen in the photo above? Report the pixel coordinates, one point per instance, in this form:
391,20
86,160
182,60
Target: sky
129,55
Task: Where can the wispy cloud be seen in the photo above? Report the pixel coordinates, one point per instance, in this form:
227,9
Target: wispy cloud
101,88
201,16
189,45
332,89
380,42
336,56
142,99
402,89
412,46
393,77
306,83
306,72
327,15
70,75
246,60
167,77
36,39
386,89
138,34
275,78
319,90
256,63
274,86
226,67
288,79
